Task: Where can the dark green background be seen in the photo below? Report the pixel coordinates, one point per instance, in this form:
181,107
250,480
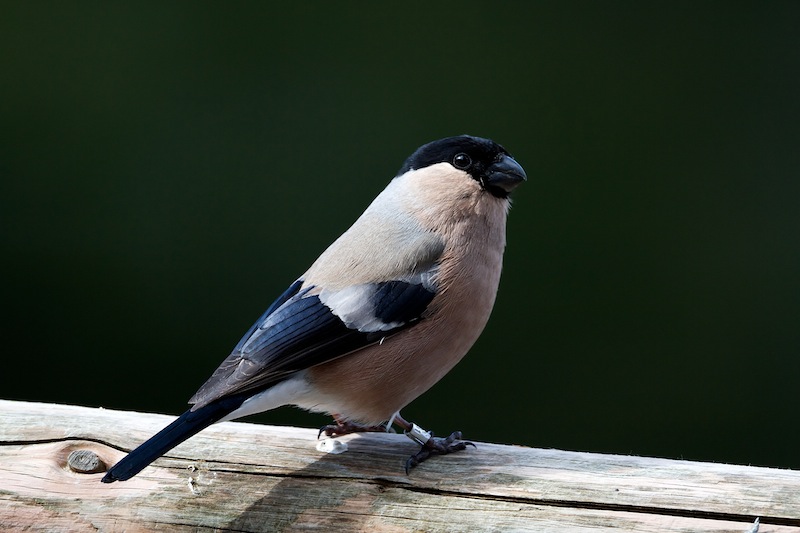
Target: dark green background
169,168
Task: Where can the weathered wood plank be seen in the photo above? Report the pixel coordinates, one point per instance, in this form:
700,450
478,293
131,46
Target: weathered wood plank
247,477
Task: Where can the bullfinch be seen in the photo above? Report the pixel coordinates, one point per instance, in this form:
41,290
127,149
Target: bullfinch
383,314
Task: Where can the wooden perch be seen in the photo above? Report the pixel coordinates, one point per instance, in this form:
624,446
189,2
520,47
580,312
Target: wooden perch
246,477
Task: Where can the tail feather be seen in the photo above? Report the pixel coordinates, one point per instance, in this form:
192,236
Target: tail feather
188,424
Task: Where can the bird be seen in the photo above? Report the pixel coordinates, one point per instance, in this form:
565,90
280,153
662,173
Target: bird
382,315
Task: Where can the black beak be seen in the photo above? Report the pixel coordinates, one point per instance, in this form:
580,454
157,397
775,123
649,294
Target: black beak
504,175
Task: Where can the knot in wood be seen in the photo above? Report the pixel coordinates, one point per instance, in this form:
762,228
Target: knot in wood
85,462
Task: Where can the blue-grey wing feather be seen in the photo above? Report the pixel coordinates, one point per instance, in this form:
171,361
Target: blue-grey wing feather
302,329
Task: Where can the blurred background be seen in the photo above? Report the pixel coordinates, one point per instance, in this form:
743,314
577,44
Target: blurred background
167,169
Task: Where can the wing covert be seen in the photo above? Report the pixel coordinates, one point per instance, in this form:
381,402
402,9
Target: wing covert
304,328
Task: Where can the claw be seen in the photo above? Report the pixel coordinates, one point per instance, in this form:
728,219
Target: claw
438,446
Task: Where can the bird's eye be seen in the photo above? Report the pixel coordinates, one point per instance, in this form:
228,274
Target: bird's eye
462,161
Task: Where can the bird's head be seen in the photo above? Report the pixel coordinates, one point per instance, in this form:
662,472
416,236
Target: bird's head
483,160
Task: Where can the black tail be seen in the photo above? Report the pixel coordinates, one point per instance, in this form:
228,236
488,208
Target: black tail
188,424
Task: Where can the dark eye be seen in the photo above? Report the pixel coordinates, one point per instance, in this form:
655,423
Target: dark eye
462,161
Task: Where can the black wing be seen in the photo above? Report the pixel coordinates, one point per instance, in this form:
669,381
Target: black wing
300,330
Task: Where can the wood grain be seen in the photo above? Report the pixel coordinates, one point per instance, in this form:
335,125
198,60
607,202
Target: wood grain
246,477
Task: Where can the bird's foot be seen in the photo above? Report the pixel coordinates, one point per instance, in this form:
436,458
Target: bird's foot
344,427
434,446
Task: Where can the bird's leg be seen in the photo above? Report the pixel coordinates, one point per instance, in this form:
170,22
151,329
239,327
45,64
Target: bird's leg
345,427
430,445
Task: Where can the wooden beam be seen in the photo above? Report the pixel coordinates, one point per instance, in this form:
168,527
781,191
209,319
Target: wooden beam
247,477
